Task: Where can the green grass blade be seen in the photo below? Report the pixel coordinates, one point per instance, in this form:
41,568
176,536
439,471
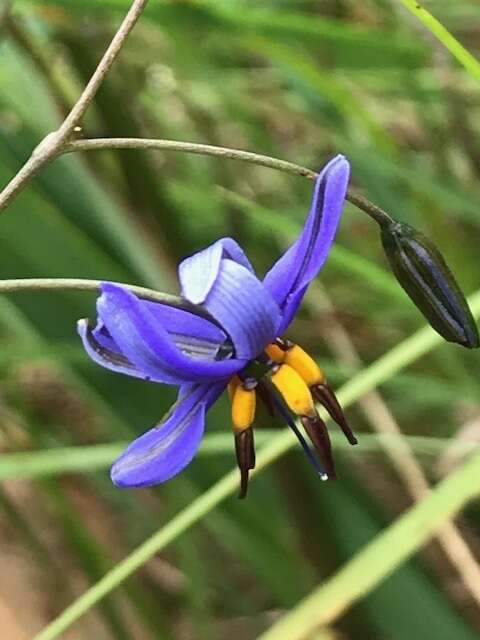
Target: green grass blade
471,64
357,520
89,458
380,557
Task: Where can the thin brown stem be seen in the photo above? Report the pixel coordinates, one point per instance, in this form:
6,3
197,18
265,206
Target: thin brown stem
81,284
98,144
53,144
191,147
372,210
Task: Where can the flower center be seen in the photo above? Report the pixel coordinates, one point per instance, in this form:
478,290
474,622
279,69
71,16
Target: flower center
289,382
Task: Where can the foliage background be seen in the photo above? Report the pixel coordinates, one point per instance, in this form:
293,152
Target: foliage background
297,80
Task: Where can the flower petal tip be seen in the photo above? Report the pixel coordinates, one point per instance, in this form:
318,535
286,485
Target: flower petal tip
339,158
339,165
82,325
126,473
122,480
108,288
117,479
107,284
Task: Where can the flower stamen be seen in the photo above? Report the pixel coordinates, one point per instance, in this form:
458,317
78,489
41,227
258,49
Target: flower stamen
243,408
324,394
244,400
304,365
318,434
285,414
293,390
245,453
289,382
275,352
286,352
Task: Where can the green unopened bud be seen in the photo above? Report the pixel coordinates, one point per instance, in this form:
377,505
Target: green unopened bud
425,276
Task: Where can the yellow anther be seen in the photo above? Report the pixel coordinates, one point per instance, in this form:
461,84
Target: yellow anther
275,353
304,365
232,385
243,408
294,390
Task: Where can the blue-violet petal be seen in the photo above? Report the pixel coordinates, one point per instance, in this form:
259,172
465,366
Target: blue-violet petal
143,340
293,272
242,305
162,452
198,273
106,353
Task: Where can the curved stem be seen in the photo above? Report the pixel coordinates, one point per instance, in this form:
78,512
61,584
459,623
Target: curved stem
98,144
372,210
78,284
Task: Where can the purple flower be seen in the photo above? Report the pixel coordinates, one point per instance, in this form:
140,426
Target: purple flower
238,347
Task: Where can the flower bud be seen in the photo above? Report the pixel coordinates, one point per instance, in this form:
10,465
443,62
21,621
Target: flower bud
245,452
425,276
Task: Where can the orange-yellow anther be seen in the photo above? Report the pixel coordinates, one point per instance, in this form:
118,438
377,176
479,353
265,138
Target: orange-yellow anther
243,408
294,390
275,353
304,365
232,385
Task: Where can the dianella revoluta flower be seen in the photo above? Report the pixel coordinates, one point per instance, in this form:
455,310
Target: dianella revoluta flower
235,343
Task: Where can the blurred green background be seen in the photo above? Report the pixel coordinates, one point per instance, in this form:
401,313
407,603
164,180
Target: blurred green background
299,80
